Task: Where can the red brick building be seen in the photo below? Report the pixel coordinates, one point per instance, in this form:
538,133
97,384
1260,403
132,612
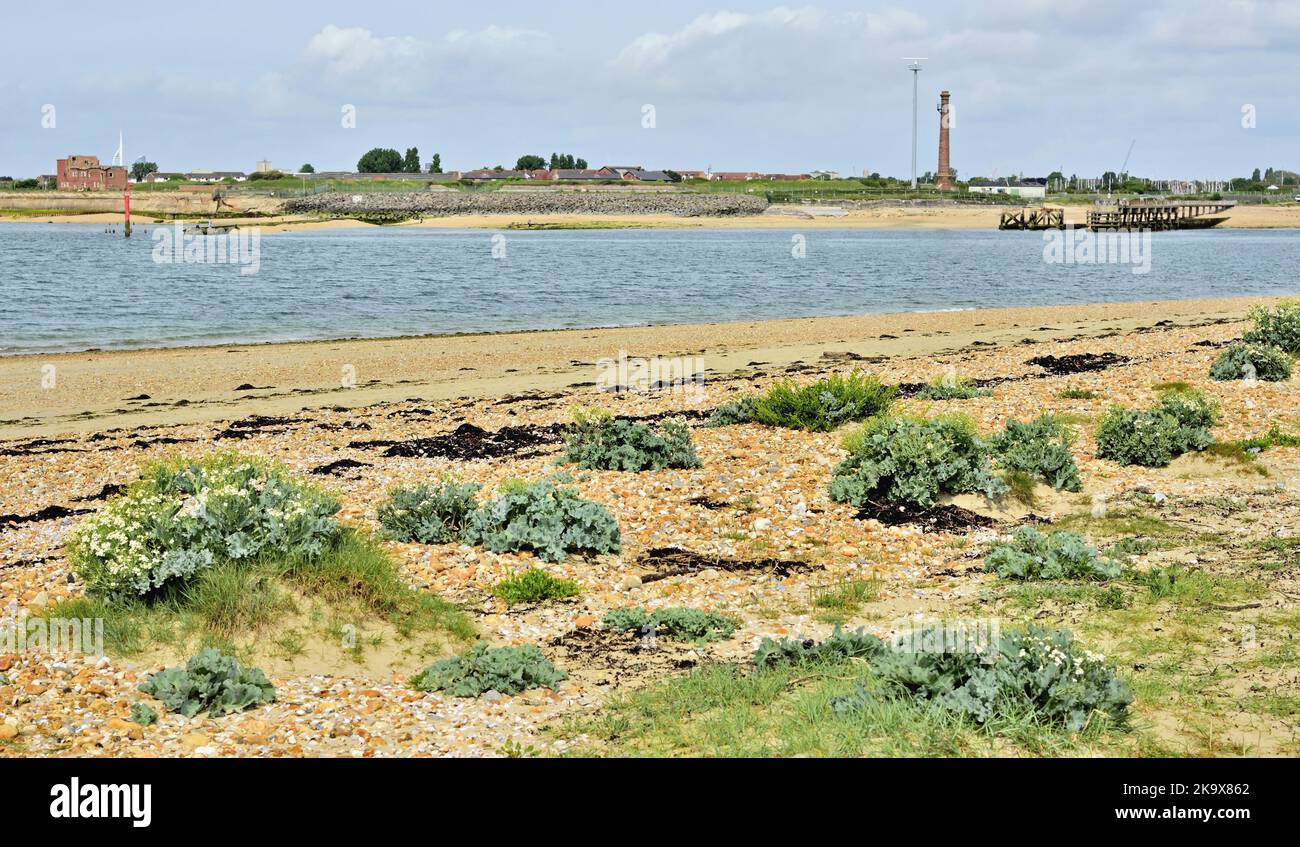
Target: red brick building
85,173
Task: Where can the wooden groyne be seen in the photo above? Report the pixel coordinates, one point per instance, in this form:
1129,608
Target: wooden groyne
1044,217
1146,214
1126,214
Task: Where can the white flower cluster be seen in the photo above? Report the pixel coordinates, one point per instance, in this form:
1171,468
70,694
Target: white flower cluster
1044,651
181,519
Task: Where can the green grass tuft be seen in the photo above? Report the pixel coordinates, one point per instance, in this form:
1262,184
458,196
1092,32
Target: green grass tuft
817,407
535,586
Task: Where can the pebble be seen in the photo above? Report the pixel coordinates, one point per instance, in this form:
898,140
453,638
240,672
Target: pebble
194,740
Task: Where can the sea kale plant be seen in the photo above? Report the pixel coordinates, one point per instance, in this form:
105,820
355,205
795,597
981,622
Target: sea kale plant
429,514
1029,554
598,441
1278,326
952,389
820,406
1154,437
1038,674
912,462
546,517
1040,448
1260,360
184,516
209,681
841,645
737,412
507,670
672,622
143,714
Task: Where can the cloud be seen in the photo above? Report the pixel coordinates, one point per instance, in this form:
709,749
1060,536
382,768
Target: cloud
495,37
148,85
353,49
821,78
1223,26
653,48
1036,84
494,61
778,54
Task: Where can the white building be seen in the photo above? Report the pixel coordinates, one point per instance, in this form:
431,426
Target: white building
1030,189
215,176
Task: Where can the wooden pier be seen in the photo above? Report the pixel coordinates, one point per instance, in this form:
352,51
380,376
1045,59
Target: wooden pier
1164,214
1044,217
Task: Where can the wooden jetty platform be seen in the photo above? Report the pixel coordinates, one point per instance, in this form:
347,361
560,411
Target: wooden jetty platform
1158,214
1044,217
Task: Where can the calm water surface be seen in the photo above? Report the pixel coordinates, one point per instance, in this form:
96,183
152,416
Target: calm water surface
74,287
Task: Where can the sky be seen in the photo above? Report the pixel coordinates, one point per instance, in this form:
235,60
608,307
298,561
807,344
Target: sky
1037,85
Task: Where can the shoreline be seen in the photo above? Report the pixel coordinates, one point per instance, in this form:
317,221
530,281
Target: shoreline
219,344
900,216
759,496
100,390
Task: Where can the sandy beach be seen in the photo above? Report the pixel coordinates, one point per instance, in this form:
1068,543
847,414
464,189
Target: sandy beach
776,217
759,496
95,391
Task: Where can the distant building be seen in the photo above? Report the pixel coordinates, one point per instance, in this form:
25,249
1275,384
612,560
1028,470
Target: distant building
216,176
85,173
634,173
693,174
263,166
734,176
162,176
1033,189
489,173
583,175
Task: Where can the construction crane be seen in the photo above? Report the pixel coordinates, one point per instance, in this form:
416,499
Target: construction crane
1124,167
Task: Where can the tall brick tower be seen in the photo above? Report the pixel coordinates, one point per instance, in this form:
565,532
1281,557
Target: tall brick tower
943,181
